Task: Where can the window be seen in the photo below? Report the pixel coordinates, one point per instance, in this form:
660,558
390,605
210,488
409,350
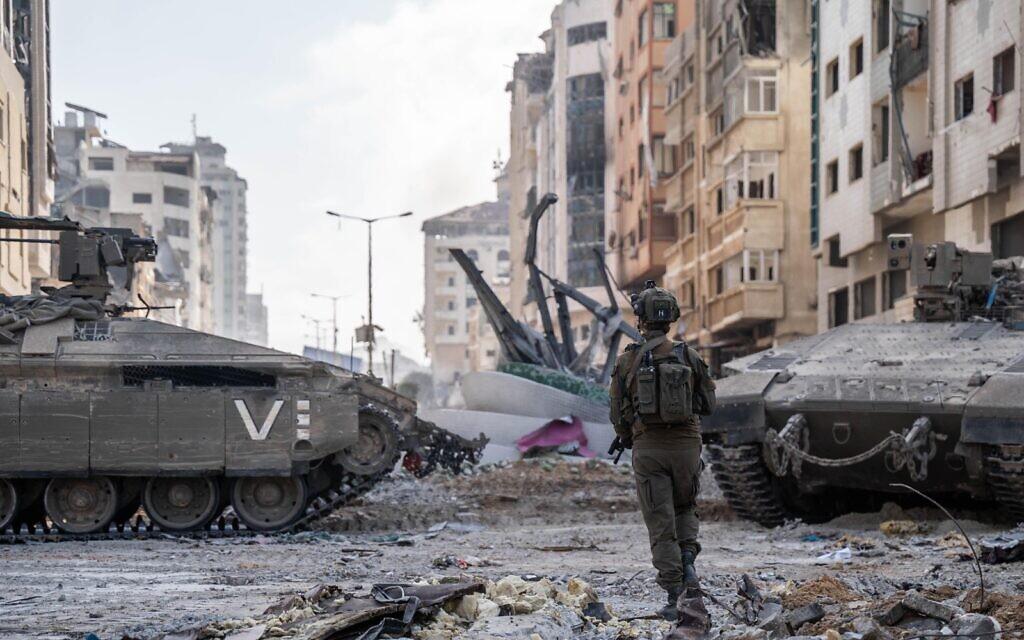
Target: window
642,28
752,175
689,74
718,276
718,122
756,265
719,201
641,94
621,127
856,58
895,287
98,197
1002,72
473,255
833,176
762,89
470,303
101,164
142,198
640,159
856,166
864,298
687,295
176,196
664,20
832,77
664,157
689,151
839,307
835,258
451,305
451,330
880,133
963,97
882,11
689,222
183,258
175,227
503,255
587,32
451,282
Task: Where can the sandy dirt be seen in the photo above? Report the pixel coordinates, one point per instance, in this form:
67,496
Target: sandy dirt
552,519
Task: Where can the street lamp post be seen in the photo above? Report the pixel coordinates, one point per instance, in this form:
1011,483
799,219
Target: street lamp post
369,271
334,317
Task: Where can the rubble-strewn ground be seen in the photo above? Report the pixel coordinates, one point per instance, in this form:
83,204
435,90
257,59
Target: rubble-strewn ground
539,519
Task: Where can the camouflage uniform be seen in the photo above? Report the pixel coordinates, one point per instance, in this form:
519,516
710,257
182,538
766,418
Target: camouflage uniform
667,466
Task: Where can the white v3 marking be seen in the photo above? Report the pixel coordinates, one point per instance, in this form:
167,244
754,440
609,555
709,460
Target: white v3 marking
250,426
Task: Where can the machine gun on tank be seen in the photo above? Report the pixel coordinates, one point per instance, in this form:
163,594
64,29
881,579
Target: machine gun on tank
87,258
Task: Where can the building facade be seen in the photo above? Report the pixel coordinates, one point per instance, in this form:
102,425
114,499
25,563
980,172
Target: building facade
639,228
482,232
95,172
737,114
230,236
26,182
918,105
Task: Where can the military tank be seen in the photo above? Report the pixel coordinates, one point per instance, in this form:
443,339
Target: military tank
103,413
830,423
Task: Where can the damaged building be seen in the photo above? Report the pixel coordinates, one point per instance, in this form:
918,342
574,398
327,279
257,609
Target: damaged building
560,143
917,106
735,116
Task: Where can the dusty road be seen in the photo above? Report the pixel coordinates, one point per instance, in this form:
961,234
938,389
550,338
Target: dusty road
556,521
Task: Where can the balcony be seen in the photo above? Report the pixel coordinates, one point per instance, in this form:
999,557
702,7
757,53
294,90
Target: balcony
751,224
910,55
745,305
674,192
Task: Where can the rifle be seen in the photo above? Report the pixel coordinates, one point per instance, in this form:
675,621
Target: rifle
617,448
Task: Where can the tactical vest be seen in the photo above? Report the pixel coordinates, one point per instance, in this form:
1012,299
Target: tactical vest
664,390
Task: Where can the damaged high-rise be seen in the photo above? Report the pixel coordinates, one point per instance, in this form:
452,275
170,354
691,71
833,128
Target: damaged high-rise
918,114
737,110
560,143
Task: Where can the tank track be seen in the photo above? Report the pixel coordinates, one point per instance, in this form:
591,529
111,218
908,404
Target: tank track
746,483
1004,471
443,449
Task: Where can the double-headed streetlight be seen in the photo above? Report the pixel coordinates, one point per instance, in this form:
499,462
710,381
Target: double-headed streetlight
334,317
369,262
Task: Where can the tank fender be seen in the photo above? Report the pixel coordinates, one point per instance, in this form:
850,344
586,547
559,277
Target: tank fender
992,415
739,417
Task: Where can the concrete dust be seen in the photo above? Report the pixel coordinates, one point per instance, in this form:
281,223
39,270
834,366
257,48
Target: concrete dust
582,513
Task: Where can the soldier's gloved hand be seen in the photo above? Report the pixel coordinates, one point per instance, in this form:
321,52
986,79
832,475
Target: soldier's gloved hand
627,442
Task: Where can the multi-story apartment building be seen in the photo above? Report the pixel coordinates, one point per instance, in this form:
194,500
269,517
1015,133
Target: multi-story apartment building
480,230
639,229
738,96
230,239
97,173
918,107
257,330
26,182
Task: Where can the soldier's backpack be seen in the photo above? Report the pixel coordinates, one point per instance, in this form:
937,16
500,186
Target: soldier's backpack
670,388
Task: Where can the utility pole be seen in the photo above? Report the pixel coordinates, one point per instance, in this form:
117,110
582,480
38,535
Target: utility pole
370,328
334,318
316,326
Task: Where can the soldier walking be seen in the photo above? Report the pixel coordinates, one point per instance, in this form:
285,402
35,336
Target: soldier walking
658,390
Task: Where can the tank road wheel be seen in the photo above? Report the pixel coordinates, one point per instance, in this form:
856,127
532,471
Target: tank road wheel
182,504
81,505
377,446
269,504
9,506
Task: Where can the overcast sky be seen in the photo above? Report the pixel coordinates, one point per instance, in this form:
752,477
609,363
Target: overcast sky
369,107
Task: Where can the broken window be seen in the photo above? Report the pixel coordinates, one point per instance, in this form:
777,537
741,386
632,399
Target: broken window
587,33
1002,72
856,165
642,28
762,90
142,198
881,25
176,196
96,196
832,77
835,258
175,227
832,171
101,164
752,175
856,58
963,97
664,20
880,132
864,298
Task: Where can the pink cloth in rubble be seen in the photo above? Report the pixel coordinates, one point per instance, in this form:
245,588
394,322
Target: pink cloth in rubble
555,434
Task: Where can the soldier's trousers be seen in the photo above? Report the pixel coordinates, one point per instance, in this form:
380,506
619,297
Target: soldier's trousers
667,483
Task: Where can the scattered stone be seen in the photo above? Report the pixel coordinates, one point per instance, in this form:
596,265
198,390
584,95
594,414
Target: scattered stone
597,611
892,616
975,626
917,602
807,614
868,629
772,620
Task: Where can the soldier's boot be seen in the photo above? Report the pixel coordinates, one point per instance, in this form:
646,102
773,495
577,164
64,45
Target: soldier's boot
670,611
691,582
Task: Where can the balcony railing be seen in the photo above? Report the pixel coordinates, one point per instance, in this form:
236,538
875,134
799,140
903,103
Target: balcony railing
910,55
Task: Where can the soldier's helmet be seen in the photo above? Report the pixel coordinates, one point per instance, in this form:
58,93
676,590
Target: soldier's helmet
655,305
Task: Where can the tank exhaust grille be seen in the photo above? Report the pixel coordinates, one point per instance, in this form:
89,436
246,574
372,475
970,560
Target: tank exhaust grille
197,376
